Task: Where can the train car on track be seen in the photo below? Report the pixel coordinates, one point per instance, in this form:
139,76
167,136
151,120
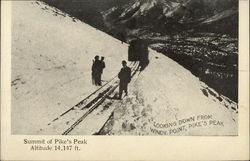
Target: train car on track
138,51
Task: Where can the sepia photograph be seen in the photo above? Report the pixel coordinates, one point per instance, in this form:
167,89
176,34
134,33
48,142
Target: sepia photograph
125,67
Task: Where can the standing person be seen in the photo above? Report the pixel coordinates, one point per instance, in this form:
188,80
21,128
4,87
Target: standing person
102,66
95,70
125,77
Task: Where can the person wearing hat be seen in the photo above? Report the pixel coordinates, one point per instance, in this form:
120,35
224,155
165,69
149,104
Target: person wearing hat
125,78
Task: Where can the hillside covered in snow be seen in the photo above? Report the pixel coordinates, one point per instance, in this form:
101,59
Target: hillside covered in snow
51,63
52,54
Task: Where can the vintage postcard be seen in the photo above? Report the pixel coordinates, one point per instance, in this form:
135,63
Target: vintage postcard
82,76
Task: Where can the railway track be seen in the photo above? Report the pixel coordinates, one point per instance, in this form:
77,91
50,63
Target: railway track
70,119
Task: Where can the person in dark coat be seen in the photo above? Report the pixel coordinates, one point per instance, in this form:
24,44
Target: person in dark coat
102,66
96,70
125,78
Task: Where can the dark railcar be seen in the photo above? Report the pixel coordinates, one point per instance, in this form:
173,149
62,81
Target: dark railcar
138,51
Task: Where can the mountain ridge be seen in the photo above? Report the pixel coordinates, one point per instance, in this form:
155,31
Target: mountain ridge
171,15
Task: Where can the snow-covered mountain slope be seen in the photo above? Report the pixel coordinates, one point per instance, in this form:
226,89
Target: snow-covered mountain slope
165,97
51,71
51,63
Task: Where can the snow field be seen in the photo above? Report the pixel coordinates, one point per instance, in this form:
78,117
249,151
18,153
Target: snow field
166,93
51,63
